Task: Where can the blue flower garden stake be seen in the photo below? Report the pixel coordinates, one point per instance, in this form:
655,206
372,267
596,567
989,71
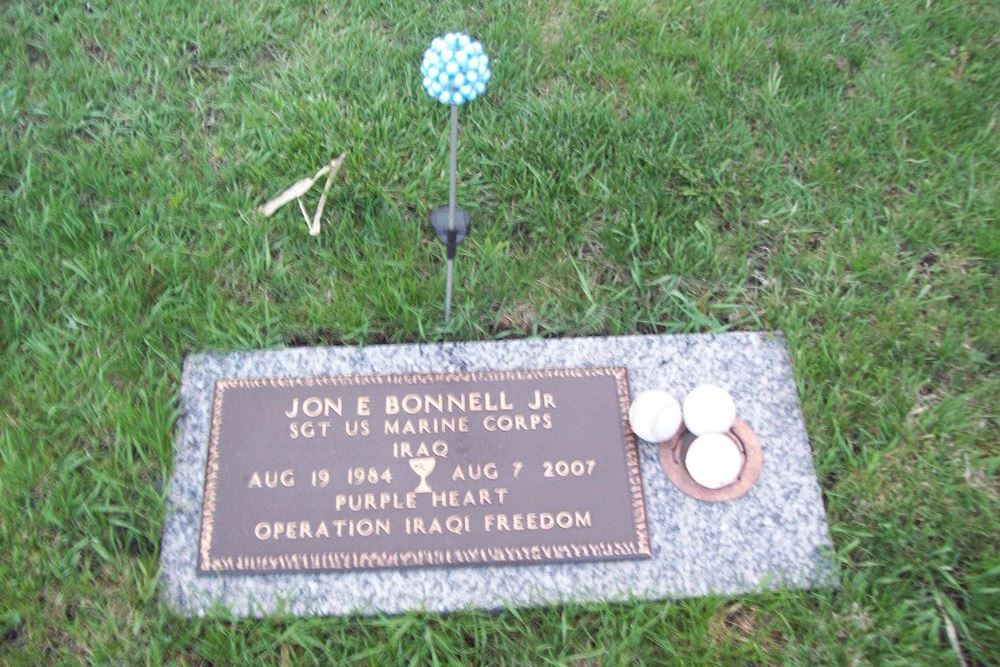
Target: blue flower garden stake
455,70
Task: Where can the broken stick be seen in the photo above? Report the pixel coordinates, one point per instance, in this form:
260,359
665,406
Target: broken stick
295,191
334,167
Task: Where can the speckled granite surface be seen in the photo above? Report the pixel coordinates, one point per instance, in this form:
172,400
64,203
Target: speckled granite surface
774,537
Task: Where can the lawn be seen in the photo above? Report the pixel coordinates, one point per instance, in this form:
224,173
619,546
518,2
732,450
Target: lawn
829,169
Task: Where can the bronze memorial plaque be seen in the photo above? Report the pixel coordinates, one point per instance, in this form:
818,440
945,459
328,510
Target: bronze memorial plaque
439,469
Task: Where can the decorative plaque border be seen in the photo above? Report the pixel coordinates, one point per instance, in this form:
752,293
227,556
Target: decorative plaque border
333,560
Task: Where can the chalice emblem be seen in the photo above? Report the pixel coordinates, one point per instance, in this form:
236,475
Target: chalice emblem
423,466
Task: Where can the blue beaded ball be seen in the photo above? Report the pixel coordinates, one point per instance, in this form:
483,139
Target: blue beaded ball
455,69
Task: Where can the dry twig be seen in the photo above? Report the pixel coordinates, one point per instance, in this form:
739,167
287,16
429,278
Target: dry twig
295,191
334,168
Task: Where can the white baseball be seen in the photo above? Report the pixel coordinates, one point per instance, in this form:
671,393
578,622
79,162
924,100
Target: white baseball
714,460
653,414
709,409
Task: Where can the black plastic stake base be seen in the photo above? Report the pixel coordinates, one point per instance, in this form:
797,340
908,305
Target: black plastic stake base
450,238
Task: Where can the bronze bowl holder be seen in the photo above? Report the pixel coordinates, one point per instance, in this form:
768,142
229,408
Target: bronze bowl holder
673,452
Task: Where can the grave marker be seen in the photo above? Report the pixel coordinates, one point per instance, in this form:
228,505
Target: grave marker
395,471
665,543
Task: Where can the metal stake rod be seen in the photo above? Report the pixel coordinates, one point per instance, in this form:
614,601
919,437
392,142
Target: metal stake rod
451,212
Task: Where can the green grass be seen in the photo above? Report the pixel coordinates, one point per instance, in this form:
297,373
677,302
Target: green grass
829,169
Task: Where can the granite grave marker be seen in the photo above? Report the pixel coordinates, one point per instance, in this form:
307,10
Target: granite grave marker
270,441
